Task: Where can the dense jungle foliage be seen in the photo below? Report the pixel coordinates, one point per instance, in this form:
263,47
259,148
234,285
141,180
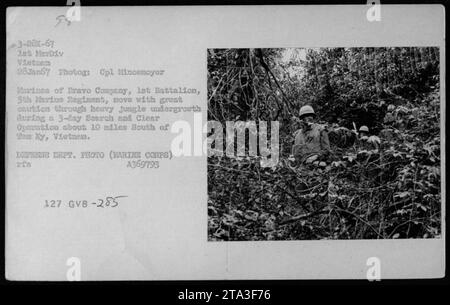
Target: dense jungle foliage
393,192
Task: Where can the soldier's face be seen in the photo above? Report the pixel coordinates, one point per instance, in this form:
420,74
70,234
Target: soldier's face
308,120
363,134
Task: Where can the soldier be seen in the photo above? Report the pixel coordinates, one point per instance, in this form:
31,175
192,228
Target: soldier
311,141
365,141
363,131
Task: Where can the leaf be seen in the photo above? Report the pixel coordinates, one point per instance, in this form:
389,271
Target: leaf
251,215
402,194
374,139
221,233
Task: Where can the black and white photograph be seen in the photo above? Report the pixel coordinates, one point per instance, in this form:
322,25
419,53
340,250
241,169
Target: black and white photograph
226,143
359,143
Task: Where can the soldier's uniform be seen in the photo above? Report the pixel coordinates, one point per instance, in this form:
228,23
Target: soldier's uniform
311,141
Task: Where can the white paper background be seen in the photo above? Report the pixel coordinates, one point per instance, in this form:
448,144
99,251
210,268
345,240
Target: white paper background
160,230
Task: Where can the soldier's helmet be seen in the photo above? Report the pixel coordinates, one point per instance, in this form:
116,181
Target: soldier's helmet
364,128
306,110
